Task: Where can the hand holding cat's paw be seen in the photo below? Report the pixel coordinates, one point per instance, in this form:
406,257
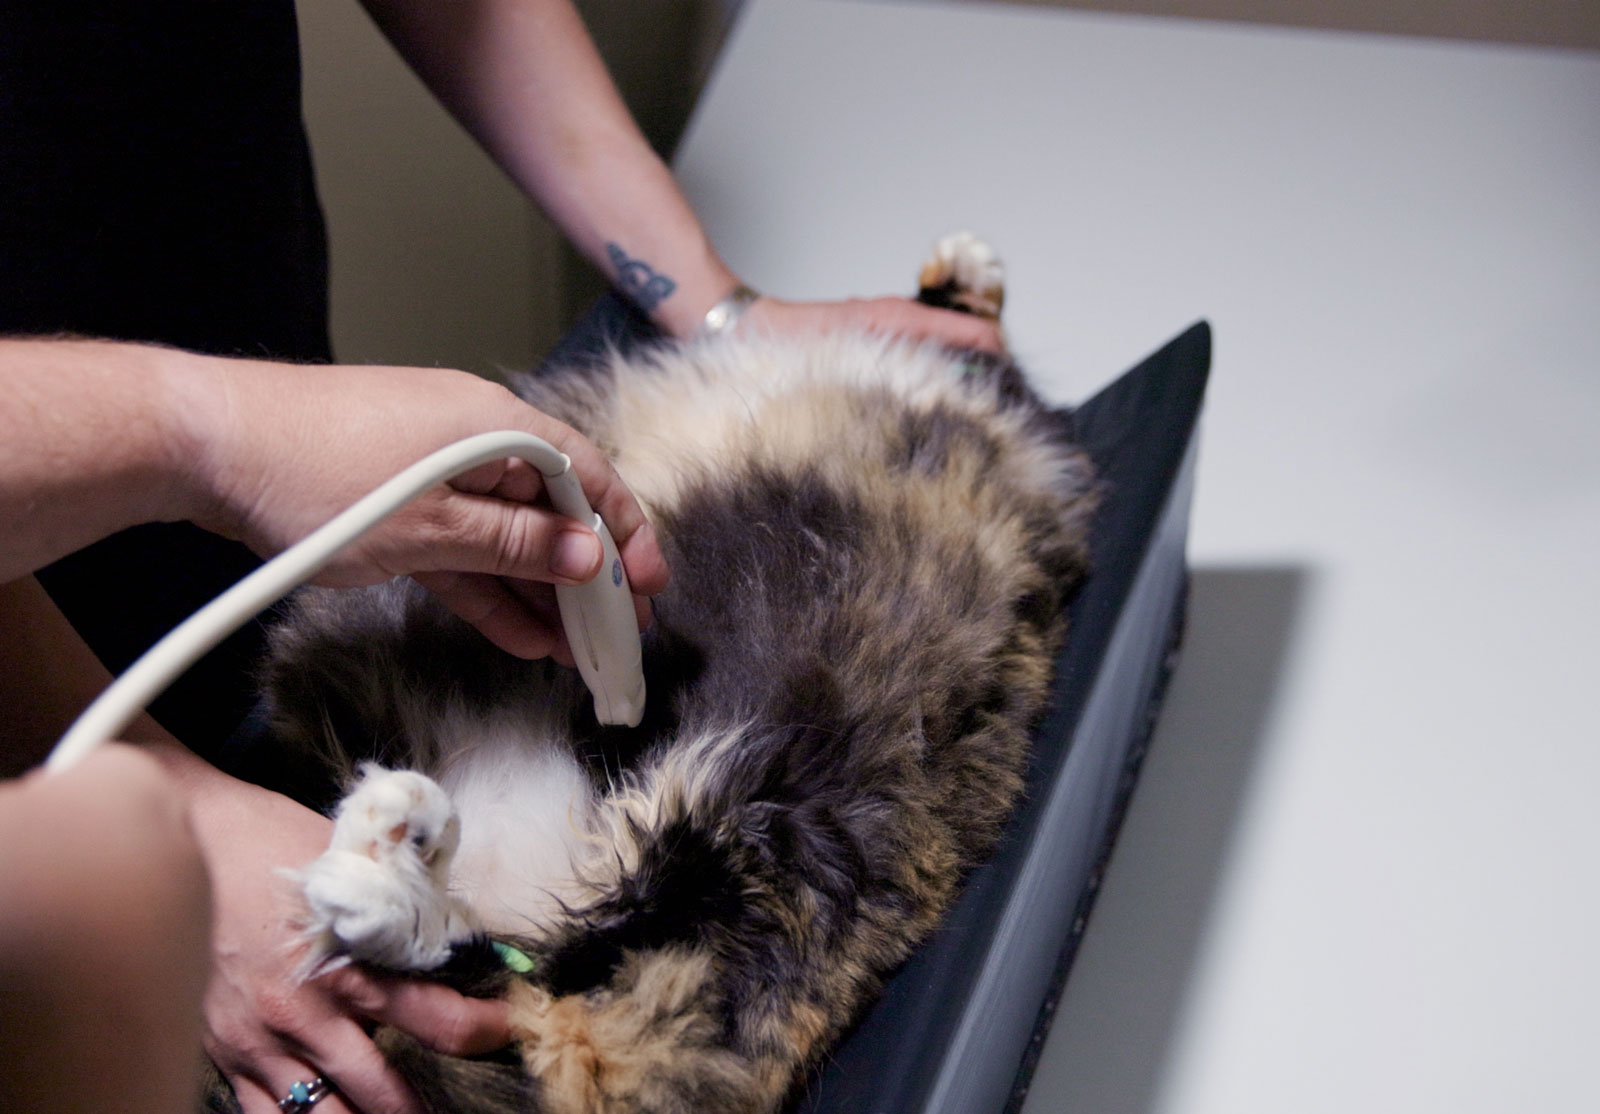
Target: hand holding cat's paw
379,893
961,289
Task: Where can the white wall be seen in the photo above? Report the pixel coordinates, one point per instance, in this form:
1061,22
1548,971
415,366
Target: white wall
437,259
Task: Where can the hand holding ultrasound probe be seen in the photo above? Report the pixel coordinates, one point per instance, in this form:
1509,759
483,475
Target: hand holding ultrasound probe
597,616
282,448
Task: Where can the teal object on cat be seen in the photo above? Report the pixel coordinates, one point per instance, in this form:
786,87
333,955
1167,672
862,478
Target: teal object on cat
515,958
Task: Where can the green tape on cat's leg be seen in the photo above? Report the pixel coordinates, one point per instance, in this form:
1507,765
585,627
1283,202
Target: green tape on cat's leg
515,958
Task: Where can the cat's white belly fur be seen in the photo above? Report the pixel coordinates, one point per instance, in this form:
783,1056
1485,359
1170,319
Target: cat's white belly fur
525,809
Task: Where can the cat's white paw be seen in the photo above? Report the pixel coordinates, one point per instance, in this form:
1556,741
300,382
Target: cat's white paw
379,893
968,271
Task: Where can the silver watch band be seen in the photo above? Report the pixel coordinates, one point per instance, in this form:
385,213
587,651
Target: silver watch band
722,317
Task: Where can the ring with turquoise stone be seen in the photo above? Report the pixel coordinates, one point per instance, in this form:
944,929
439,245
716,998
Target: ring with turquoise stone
304,1094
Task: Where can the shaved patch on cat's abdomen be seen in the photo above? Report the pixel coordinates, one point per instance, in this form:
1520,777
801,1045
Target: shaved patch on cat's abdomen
526,806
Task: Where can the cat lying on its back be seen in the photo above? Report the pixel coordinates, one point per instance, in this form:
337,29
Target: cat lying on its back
871,541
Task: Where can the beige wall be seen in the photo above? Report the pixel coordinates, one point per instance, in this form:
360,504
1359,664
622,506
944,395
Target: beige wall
435,257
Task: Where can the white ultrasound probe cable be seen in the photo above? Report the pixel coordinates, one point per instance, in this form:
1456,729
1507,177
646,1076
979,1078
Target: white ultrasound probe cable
600,622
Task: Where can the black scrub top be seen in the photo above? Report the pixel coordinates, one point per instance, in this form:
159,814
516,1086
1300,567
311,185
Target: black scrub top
155,185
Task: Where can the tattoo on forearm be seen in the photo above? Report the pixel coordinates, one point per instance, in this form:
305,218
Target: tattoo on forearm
643,283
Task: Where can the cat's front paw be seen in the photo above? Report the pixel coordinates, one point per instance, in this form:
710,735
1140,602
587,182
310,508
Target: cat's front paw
964,273
380,892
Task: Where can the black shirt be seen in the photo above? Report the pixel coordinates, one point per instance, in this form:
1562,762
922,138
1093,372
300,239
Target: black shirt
155,185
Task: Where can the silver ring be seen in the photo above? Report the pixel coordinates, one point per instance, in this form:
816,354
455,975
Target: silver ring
304,1095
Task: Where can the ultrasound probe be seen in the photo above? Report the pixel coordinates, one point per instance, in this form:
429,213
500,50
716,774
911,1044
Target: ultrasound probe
598,617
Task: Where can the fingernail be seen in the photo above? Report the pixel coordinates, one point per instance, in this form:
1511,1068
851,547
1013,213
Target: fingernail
576,555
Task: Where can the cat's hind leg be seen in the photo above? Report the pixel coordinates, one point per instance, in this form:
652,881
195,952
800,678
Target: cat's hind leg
651,1038
379,894
963,273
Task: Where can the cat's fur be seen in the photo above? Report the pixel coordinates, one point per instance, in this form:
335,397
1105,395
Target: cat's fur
871,541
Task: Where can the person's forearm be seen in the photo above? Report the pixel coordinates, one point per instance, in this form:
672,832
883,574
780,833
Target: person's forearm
104,922
93,438
48,675
524,78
